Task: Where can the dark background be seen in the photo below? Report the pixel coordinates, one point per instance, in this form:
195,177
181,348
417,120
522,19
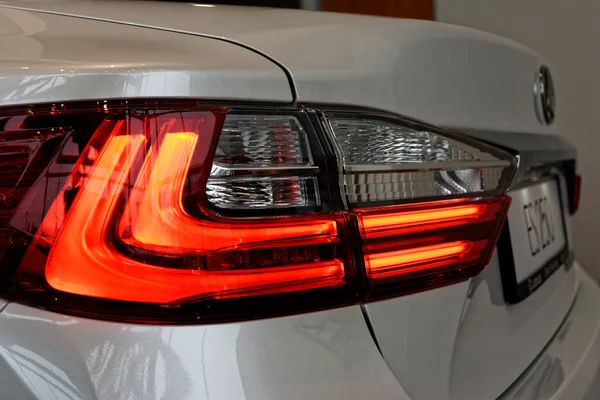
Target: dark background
420,9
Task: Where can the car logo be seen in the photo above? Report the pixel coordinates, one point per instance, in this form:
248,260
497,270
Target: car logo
544,97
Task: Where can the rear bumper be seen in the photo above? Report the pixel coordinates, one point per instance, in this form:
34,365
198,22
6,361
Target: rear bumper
569,366
324,355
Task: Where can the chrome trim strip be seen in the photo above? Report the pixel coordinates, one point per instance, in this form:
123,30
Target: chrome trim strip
221,171
439,166
532,149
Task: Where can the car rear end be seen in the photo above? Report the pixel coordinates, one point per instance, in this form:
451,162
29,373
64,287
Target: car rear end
324,206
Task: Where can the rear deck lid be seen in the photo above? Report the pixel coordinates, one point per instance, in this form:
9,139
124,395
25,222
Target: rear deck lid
442,74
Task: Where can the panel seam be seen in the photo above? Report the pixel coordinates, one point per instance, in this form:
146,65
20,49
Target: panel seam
288,74
367,318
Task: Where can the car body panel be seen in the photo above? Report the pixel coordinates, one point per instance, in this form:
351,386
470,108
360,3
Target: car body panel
485,344
495,343
568,368
323,355
411,339
441,347
328,354
47,58
442,74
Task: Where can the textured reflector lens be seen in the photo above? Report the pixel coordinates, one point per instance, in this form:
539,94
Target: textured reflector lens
262,141
260,193
257,165
24,154
369,141
381,186
385,160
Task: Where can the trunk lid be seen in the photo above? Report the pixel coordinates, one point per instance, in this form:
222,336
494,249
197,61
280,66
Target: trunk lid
442,74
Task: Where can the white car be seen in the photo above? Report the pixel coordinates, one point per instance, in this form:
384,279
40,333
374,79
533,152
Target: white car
229,203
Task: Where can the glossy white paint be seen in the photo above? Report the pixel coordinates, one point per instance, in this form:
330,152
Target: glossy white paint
52,58
495,343
568,368
417,335
441,347
447,344
443,74
325,355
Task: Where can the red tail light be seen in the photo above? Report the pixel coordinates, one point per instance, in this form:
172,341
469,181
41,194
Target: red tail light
180,213
432,242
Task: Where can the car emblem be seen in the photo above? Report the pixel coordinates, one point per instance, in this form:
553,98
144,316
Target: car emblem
544,97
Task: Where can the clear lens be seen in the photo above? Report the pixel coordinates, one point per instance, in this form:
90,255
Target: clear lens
262,141
371,141
384,161
256,165
24,154
382,186
260,193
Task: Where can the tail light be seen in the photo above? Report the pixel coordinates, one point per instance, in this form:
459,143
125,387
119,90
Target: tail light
178,212
432,243
429,205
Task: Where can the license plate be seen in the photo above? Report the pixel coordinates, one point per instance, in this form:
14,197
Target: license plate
533,244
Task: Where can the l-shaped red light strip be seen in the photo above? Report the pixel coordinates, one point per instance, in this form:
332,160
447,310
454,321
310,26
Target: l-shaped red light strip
83,260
